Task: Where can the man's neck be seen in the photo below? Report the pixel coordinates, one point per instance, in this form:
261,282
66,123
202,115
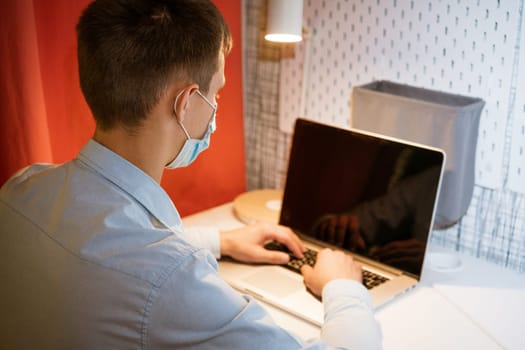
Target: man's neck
137,148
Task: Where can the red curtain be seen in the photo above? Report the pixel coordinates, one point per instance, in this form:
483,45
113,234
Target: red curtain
44,118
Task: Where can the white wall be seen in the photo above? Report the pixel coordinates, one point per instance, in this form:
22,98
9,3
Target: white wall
466,47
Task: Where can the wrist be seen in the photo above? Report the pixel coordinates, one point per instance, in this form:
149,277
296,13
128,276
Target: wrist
225,243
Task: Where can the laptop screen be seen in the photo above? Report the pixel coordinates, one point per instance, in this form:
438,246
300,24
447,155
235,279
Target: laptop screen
364,193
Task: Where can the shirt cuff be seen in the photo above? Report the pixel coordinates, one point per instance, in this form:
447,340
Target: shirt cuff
206,237
345,288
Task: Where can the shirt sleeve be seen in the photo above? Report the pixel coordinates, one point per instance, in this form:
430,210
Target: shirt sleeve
349,321
206,237
195,308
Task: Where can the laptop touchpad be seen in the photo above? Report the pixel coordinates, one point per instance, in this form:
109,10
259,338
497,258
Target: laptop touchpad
275,280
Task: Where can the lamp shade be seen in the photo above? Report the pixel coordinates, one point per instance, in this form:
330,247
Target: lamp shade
284,20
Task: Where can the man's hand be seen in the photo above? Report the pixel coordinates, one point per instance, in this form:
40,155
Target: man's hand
330,265
246,244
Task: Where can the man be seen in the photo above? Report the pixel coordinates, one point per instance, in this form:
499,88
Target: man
95,254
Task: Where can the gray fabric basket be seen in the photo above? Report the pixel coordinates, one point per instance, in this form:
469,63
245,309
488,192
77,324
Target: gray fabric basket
433,118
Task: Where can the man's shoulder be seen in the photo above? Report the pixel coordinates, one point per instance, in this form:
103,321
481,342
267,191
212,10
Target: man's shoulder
94,220
29,186
40,191
38,179
25,174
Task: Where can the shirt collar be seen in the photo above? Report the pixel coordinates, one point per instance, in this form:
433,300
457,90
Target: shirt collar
132,180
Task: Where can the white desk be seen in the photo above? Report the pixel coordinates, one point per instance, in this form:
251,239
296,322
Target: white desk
478,306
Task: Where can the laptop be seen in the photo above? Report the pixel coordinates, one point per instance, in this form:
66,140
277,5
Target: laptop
370,195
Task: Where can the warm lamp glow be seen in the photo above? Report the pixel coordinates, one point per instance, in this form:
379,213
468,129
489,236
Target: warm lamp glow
283,38
284,21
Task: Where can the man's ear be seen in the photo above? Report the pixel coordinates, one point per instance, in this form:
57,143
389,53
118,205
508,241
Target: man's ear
182,101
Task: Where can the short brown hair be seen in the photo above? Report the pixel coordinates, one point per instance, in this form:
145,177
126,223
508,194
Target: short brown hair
128,50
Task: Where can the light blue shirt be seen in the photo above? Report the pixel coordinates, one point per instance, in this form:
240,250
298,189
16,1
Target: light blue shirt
94,256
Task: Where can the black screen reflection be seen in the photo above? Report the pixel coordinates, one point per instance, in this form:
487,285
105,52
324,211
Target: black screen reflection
362,193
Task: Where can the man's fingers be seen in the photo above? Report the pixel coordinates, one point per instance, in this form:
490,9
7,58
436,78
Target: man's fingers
279,258
306,270
275,257
287,237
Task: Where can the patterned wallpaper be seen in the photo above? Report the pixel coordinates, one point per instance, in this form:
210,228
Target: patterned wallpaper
468,47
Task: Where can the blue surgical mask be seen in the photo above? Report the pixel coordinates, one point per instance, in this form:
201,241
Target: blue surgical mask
193,147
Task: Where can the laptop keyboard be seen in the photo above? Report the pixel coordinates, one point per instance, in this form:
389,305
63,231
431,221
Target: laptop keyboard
370,279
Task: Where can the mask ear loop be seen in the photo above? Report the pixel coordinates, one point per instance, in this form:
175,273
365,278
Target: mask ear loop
213,107
176,118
